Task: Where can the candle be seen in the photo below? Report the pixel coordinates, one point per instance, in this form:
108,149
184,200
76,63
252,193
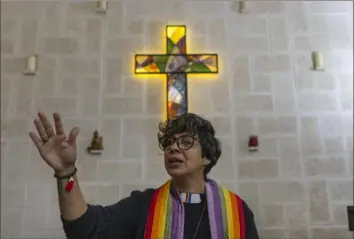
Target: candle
317,60
31,65
102,6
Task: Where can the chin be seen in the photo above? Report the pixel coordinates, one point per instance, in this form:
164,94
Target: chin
176,172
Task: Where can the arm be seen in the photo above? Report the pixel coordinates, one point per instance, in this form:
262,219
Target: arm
251,229
84,221
72,204
80,221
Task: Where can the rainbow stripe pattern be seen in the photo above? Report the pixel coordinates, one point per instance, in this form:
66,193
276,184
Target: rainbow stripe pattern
166,213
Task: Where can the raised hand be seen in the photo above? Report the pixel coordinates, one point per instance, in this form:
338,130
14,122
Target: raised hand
57,150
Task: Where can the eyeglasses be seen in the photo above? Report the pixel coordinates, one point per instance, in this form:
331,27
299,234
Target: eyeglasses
184,142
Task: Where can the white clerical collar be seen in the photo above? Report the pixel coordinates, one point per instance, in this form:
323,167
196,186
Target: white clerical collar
191,197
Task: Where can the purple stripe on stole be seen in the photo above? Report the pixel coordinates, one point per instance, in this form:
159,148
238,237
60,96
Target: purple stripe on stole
176,214
175,220
181,236
211,212
217,208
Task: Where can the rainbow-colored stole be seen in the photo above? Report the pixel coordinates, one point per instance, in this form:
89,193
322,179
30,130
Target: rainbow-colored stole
166,213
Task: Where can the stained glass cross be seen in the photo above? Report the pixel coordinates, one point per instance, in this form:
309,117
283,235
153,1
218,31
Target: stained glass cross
176,64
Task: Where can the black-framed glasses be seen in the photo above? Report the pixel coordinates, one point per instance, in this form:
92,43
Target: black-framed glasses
184,142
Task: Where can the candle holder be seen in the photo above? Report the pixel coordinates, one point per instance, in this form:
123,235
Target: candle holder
253,143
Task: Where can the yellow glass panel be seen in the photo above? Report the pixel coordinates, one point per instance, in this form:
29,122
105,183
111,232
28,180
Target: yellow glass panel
205,57
212,68
141,70
141,59
175,33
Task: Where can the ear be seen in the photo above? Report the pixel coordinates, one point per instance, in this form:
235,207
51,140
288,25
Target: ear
206,161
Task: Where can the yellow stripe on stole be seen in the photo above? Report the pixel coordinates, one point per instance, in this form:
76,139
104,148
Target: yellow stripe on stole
162,219
230,222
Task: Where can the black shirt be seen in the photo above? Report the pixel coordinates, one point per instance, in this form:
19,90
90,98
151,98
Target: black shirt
127,218
193,212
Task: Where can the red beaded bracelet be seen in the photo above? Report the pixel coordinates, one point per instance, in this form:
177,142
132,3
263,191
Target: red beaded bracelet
69,186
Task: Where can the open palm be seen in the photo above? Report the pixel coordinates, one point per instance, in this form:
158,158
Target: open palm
57,150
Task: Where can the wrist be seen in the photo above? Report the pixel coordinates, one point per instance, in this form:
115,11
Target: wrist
65,172
67,177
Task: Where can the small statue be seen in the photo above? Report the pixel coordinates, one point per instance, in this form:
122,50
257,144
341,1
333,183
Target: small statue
96,144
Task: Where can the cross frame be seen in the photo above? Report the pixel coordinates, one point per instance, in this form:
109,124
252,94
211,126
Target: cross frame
176,64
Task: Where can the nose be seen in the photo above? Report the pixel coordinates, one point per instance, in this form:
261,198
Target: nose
174,147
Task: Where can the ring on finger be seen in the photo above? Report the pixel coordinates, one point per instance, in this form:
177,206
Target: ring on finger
45,140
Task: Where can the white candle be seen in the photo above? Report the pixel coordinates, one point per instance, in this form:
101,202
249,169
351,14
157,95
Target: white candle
317,60
31,65
102,6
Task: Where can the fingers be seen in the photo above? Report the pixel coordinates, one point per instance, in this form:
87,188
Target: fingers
58,124
41,130
47,126
73,135
37,141
39,144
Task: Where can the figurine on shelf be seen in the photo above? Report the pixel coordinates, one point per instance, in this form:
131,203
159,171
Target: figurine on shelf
96,144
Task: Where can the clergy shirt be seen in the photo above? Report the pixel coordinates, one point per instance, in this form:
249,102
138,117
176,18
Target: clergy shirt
126,219
193,206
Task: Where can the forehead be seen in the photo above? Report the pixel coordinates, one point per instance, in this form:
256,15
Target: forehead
176,135
181,134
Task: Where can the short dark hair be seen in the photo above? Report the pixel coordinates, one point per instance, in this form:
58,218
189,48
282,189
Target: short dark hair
196,126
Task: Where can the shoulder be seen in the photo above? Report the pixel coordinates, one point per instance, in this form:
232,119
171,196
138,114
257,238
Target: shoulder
247,210
249,220
142,194
137,195
135,201
131,206
242,203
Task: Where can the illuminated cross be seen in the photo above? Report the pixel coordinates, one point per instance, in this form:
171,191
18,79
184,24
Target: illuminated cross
176,64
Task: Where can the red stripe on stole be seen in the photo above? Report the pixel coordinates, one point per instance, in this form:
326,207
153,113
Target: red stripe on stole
151,215
241,214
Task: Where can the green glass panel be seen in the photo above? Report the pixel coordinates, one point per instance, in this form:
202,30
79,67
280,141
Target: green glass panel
170,45
198,68
161,62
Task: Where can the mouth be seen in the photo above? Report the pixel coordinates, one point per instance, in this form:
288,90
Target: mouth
174,161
